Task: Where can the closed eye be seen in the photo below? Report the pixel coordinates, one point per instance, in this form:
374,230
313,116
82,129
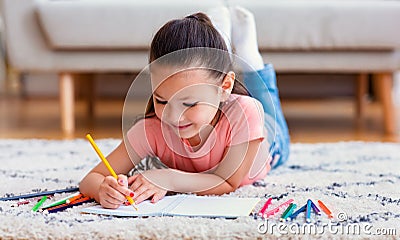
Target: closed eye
190,104
161,102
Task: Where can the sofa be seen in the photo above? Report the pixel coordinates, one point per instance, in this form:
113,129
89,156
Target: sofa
70,37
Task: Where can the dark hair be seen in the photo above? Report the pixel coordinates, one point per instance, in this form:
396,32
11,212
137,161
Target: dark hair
193,31
194,42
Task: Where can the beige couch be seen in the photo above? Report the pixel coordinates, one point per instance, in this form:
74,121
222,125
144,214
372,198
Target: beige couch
87,36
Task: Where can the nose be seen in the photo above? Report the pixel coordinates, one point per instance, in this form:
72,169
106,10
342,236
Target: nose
174,114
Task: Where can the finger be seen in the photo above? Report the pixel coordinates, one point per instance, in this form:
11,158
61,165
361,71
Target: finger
136,184
131,179
114,190
108,201
110,180
140,190
123,180
113,195
157,196
145,195
106,204
124,190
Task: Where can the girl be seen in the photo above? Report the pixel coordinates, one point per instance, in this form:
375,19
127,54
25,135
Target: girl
212,136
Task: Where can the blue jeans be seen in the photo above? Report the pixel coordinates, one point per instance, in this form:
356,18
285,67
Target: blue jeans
262,86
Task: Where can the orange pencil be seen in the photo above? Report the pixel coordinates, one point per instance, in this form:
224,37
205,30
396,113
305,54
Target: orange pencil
74,198
325,209
67,205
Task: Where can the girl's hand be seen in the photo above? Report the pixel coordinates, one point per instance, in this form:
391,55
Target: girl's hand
112,193
145,189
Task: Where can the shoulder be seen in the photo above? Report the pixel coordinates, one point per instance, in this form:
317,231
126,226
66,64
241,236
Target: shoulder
145,125
243,104
142,136
148,122
245,116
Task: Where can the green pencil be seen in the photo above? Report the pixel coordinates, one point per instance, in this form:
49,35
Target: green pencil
288,211
61,201
37,206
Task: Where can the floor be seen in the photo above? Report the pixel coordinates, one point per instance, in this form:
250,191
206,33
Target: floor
310,121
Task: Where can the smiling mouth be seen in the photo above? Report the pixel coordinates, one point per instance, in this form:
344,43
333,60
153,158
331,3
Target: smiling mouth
180,127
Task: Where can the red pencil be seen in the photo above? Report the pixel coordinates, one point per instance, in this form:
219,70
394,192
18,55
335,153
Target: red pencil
20,203
24,202
266,204
277,209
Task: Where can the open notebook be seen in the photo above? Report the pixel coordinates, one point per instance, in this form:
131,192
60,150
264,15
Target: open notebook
184,205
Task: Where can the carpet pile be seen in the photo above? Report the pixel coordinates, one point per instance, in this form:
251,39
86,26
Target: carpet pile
359,182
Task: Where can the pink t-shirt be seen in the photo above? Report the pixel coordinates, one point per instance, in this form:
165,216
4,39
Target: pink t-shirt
242,121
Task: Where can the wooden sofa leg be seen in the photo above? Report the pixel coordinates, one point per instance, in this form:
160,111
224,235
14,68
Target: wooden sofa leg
383,84
361,95
66,82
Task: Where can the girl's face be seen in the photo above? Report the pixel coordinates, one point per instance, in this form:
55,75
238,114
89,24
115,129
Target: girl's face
187,101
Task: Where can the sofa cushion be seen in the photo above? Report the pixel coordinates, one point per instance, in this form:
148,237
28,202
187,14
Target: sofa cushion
287,24
326,24
121,24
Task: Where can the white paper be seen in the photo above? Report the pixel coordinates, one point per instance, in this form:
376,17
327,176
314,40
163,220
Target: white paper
184,205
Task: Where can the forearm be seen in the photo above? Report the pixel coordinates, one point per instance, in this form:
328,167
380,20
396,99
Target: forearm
199,183
222,188
89,186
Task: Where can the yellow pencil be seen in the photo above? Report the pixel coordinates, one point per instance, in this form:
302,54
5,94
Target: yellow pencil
107,165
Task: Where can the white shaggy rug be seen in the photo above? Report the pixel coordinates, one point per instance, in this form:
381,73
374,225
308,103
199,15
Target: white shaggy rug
358,181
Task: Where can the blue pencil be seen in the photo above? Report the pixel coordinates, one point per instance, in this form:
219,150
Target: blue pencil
300,210
308,211
40,194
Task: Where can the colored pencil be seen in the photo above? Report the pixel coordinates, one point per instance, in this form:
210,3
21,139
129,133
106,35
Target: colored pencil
71,200
40,194
289,210
24,202
46,210
325,209
20,203
61,201
266,204
308,211
315,208
66,206
108,166
37,205
300,210
277,209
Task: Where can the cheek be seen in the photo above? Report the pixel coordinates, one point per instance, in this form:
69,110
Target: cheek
201,114
158,109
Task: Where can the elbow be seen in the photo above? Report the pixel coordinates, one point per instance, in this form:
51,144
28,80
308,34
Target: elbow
82,188
231,187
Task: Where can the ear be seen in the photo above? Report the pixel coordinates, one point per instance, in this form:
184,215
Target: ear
227,85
